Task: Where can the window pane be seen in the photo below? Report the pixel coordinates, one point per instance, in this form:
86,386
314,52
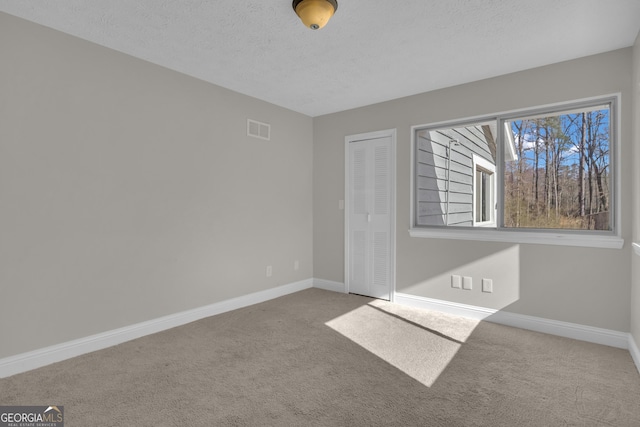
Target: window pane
444,177
479,195
484,194
557,171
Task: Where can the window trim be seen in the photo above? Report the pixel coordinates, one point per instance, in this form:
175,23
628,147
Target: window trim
597,239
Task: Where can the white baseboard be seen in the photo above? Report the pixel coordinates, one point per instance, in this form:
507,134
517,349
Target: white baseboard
635,352
35,359
453,308
564,329
45,356
329,285
538,324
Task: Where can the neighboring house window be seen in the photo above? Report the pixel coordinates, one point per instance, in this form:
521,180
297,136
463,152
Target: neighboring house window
484,192
549,169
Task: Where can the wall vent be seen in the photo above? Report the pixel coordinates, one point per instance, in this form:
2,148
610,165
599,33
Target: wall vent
258,129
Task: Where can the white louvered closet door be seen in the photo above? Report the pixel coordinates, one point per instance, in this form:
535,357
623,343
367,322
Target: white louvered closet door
370,219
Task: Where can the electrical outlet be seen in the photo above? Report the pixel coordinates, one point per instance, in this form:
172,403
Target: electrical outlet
269,271
467,283
487,285
296,265
456,281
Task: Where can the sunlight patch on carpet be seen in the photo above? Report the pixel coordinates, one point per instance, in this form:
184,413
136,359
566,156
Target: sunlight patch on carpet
419,343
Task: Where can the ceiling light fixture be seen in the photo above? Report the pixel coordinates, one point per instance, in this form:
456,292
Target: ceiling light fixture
315,13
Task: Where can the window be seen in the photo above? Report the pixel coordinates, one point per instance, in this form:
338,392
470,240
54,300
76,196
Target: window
542,175
484,191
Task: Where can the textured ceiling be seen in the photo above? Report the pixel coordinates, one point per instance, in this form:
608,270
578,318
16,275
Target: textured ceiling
371,50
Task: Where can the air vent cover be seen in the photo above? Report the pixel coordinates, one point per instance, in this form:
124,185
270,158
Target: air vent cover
258,129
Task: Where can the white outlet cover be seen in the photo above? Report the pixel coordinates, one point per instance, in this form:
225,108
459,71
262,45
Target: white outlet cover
456,281
467,283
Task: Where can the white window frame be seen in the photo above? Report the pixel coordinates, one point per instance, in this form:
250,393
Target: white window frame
486,166
597,239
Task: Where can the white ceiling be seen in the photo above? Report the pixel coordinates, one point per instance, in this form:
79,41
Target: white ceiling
370,51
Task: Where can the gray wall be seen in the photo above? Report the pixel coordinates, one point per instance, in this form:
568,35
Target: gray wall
581,285
129,192
635,284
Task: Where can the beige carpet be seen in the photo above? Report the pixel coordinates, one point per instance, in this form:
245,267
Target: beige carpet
318,358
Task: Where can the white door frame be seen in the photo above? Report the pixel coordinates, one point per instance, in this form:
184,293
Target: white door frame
391,133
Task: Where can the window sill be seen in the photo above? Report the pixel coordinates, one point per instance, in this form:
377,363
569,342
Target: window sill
533,237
